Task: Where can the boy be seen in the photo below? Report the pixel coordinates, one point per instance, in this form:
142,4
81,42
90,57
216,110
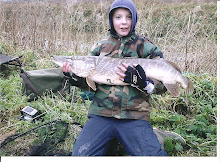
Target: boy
121,112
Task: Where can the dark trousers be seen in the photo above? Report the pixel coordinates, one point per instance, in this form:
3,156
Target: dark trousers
136,136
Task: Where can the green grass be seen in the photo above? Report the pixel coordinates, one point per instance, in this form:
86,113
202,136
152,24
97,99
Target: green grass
197,123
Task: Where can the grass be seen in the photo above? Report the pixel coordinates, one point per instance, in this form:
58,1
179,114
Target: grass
197,123
39,30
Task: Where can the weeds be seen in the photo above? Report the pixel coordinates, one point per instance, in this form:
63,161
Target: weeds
197,123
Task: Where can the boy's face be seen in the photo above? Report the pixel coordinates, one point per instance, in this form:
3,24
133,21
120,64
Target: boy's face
122,21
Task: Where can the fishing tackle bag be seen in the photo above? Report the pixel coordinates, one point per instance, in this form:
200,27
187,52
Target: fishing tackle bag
38,82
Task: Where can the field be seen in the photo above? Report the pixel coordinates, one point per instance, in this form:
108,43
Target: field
186,33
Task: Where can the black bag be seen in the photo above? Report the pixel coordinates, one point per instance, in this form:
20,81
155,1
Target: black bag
37,82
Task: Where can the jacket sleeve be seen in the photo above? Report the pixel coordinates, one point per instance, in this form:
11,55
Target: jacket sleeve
151,51
80,82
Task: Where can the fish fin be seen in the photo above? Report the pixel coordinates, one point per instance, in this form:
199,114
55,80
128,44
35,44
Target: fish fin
174,65
174,89
91,83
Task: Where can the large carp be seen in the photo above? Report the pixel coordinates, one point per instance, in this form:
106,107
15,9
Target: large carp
103,70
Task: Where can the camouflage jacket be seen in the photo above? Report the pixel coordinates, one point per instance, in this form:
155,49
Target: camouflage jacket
124,102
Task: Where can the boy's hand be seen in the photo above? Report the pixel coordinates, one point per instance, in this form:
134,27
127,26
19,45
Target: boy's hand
135,76
66,69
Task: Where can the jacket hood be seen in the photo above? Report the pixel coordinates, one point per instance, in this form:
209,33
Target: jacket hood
128,4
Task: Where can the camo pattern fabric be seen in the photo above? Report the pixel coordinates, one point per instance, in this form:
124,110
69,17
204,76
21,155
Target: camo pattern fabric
124,102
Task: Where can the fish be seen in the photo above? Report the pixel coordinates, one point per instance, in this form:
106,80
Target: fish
102,70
